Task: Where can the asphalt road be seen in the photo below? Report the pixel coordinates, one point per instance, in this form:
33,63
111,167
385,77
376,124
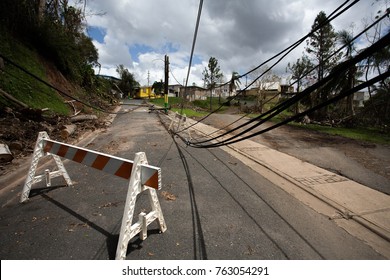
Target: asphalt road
215,207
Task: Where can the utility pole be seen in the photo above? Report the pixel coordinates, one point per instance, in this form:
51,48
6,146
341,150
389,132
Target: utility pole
166,83
148,77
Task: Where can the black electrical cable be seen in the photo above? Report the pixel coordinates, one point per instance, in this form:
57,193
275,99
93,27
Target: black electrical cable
381,43
368,83
284,105
192,50
331,17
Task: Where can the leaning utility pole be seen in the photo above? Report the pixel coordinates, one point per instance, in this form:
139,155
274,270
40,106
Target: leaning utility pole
166,83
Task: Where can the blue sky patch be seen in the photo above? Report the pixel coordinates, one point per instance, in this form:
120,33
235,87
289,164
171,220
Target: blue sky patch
96,33
137,49
196,59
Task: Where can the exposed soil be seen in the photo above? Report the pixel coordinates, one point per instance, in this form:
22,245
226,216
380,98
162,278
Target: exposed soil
19,131
363,162
19,127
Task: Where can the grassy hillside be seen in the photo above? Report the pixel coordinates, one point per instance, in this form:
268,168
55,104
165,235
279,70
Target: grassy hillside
22,86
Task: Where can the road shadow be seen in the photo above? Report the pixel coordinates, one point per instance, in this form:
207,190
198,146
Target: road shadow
44,190
135,244
111,239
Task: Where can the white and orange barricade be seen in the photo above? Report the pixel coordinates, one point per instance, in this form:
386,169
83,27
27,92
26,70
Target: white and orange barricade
141,176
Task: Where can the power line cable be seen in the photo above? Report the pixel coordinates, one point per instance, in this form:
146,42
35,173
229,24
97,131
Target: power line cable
368,83
381,43
336,13
192,52
287,103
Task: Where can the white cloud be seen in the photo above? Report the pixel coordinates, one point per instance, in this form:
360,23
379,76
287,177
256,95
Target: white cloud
240,34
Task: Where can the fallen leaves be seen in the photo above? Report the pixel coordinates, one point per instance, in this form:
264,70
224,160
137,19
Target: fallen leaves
168,196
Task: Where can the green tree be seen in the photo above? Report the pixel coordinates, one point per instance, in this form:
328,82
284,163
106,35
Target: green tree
158,87
321,46
128,82
211,75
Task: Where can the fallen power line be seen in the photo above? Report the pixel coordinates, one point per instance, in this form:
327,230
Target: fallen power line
380,44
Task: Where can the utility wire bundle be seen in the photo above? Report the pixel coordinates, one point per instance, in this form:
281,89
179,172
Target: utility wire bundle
334,74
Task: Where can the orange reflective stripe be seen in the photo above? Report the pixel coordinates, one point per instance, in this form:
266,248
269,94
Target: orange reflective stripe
100,162
153,181
79,156
110,164
124,170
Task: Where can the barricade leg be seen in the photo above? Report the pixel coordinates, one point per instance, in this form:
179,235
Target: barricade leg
128,231
37,155
157,209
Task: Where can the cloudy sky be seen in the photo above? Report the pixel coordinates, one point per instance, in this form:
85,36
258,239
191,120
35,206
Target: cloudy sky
239,33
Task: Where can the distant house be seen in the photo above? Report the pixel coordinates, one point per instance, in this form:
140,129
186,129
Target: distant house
286,89
274,91
221,90
192,93
359,98
145,92
174,90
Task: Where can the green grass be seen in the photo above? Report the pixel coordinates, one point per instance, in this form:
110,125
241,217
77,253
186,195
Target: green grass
172,101
176,102
359,133
23,87
191,113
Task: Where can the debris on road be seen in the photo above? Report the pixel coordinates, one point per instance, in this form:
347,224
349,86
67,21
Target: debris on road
5,154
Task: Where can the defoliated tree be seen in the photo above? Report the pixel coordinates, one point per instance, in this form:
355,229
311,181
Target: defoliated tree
321,46
211,75
346,38
265,80
300,73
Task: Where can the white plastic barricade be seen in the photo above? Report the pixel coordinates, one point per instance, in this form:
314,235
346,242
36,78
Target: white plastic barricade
180,122
141,176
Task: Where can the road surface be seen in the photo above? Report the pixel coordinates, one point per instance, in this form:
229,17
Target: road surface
215,207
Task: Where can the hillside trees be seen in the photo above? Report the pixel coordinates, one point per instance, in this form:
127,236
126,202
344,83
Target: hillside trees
56,30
